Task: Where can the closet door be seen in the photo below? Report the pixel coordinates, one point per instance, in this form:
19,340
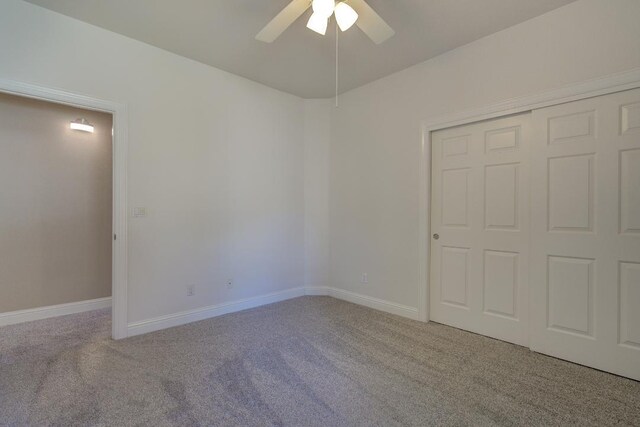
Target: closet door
480,228
585,232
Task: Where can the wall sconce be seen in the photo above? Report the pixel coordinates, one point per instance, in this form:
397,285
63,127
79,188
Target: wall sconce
82,125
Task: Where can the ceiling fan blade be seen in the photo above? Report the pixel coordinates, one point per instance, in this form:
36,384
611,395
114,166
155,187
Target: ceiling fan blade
283,20
370,22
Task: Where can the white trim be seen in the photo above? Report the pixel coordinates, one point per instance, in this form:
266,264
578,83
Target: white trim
120,150
376,303
424,221
317,290
39,313
184,317
587,89
365,300
202,313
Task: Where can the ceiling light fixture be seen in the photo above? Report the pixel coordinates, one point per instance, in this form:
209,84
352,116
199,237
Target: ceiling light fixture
345,16
347,13
370,22
322,11
323,8
81,125
318,24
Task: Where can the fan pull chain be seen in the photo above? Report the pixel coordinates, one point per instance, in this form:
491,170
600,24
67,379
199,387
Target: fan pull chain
337,35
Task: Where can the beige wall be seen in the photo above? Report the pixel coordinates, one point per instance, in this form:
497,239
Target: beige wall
55,205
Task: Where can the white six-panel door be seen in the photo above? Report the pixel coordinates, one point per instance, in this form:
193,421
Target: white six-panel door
536,230
585,236
480,226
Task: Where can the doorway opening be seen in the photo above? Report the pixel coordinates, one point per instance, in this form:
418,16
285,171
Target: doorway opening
63,222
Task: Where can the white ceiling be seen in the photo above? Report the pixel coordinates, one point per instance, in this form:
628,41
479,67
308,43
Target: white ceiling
221,33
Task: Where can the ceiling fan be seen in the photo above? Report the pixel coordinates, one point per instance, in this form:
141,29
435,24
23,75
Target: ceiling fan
347,12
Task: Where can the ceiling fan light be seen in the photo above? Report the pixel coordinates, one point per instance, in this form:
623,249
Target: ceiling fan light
323,8
317,23
345,16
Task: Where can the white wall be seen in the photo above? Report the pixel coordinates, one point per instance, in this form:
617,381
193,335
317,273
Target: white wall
376,130
216,159
317,128
245,182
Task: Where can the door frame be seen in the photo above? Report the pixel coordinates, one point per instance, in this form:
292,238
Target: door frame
119,197
587,89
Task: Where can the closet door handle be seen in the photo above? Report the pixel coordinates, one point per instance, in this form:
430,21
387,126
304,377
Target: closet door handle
436,236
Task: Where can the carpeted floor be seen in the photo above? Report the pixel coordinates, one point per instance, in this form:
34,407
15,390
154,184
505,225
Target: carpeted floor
310,361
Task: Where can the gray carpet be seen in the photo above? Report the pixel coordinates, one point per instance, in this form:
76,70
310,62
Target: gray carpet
311,361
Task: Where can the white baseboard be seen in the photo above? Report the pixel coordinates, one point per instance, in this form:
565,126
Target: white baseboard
184,317
367,301
39,313
202,313
317,290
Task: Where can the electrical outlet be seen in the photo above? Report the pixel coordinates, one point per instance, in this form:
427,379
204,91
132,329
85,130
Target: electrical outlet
191,290
365,278
229,283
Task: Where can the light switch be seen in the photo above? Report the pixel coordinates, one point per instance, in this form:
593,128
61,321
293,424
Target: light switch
139,212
